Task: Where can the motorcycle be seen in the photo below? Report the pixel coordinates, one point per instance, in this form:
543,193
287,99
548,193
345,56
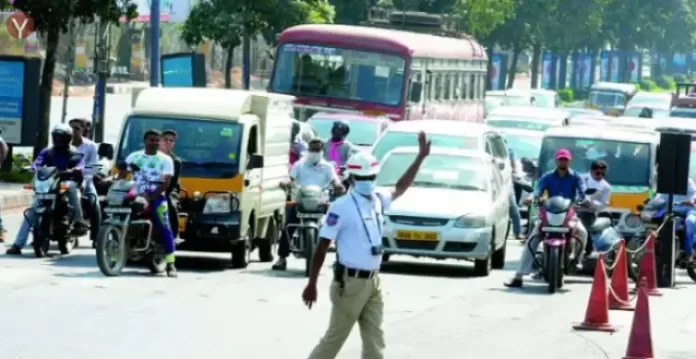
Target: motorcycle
126,234
560,246
311,203
53,217
653,215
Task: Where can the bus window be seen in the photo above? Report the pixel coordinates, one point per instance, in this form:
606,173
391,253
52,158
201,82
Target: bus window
437,86
472,86
447,86
482,86
455,86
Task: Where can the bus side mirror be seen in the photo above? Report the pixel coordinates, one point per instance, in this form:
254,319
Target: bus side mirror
416,92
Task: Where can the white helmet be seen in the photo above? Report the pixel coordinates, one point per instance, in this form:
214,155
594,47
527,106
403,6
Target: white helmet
362,164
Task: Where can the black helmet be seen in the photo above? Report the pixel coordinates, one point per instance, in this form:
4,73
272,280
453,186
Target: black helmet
342,126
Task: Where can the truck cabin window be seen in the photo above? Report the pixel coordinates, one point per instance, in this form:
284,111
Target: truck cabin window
206,148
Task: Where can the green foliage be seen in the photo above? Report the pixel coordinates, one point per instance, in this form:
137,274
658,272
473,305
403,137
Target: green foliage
55,15
566,95
289,13
680,78
648,85
665,82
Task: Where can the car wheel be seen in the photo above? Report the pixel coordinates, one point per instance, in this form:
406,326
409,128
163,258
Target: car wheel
499,256
483,267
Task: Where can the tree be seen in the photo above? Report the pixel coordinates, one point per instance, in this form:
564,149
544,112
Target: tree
294,12
51,18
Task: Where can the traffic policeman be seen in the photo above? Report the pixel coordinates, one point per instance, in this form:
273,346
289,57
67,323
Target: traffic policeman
355,222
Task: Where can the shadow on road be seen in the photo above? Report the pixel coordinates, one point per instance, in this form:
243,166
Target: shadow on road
194,264
431,269
533,288
270,273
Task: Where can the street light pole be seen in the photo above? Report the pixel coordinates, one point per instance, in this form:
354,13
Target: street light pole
102,66
68,70
154,42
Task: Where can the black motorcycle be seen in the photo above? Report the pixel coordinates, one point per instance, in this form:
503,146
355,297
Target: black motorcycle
53,218
311,204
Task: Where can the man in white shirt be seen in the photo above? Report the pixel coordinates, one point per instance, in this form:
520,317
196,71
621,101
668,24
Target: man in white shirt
152,172
598,201
311,169
91,160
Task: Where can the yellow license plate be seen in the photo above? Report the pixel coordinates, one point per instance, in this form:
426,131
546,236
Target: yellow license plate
416,236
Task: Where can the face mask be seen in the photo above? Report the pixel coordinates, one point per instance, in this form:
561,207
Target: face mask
314,157
365,188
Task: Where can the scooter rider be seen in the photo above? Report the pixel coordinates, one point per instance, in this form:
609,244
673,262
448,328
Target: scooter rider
311,169
563,182
91,160
60,155
338,149
595,179
684,204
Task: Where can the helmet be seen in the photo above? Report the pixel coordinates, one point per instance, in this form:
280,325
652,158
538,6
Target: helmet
362,164
342,126
62,130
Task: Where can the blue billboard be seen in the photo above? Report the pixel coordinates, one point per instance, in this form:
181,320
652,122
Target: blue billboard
177,71
11,100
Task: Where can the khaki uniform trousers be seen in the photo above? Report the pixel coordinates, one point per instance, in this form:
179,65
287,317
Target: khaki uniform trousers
359,301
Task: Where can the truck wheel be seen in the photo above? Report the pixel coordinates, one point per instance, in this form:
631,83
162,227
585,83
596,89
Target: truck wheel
240,253
483,267
499,257
265,245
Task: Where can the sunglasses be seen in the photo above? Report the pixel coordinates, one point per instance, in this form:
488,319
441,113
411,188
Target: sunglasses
599,172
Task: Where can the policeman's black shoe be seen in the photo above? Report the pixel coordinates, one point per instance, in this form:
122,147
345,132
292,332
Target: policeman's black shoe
171,270
14,251
514,283
281,264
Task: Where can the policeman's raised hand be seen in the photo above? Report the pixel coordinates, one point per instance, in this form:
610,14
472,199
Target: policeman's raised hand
309,295
423,145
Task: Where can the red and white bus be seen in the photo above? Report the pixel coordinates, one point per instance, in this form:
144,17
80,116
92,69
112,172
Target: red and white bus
380,72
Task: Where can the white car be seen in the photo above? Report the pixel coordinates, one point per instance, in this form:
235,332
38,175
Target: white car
527,118
546,98
651,99
447,134
457,207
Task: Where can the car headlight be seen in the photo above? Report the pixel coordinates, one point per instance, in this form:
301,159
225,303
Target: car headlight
219,204
470,222
633,221
555,219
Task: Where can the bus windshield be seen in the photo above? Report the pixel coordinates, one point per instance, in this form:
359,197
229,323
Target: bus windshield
304,70
207,149
629,162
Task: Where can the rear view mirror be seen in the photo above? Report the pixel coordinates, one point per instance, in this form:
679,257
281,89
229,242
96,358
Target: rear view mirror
106,150
255,162
416,92
500,164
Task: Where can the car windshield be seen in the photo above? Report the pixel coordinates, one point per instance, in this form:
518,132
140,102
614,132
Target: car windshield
542,100
524,146
511,100
393,139
683,112
361,132
437,171
606,98
635,112
306,70
206,148
629,162
516,122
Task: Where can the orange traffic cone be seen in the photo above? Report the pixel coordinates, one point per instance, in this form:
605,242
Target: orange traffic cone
647,267
618,295
597,314
640,340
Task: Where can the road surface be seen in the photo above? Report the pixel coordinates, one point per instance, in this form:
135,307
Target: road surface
63,308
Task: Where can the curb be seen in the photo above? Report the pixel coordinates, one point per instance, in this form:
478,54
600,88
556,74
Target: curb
16,200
